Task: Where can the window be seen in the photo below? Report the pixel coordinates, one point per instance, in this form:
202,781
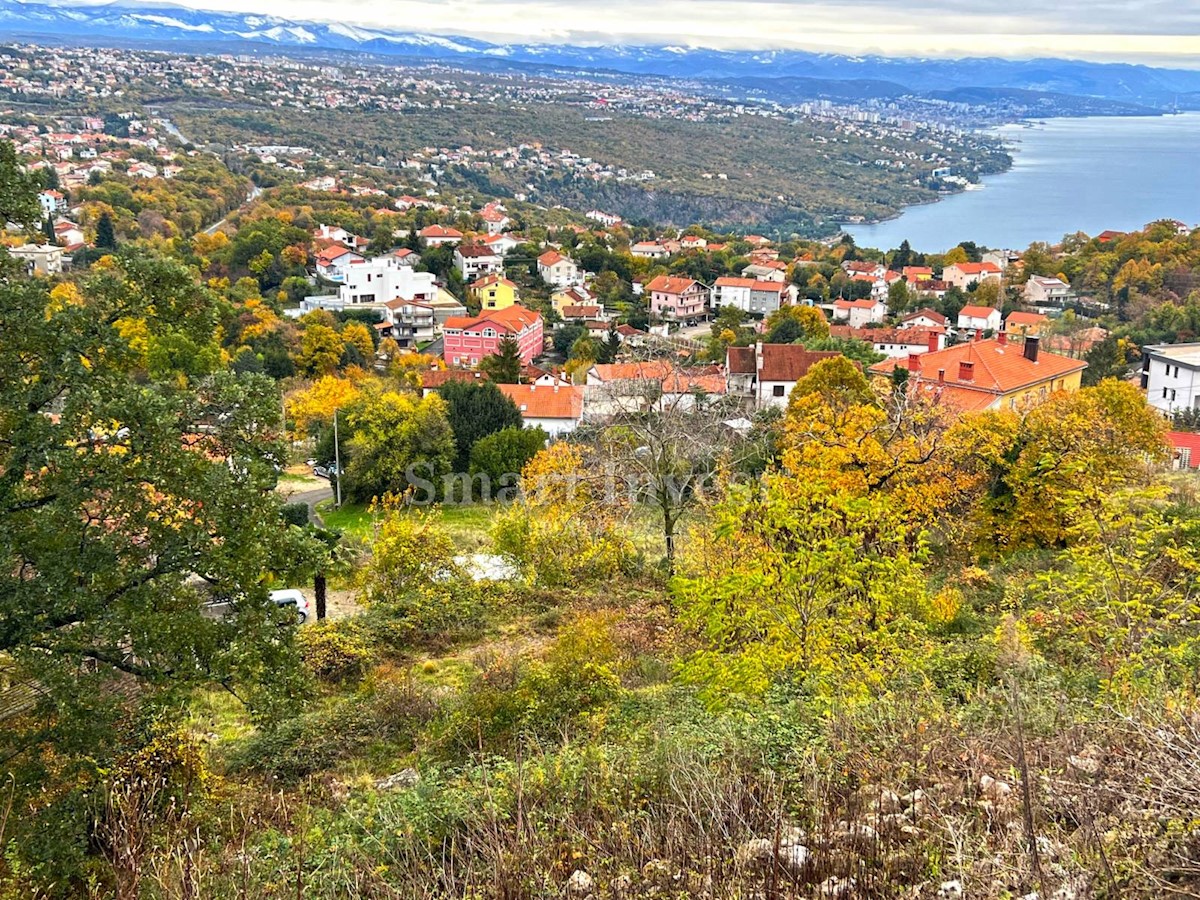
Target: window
1172,395
489,332
1164,393
777,390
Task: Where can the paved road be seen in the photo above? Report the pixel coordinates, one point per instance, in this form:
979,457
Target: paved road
250,198
311,497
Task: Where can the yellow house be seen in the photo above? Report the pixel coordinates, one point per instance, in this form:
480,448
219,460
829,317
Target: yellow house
992,374
571,296
495,292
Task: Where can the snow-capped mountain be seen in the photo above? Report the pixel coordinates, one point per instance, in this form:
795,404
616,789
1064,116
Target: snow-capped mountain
166,25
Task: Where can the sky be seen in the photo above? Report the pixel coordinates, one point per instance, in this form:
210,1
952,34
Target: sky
1165,32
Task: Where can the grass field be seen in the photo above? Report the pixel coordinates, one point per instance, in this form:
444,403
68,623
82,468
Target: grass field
469,525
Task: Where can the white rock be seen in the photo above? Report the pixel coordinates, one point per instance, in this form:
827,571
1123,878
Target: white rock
951,888
579,884
794,857
405,778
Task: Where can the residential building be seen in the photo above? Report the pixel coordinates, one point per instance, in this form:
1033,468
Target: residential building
649,250
1020,324
557,270
925,318
338,235
494,220
977,319
437,235
41,259
406,257
576,295
1185,446
334,260
766,373
748,294
766,271
495,292
467,340
475,260
52,203
379,281
897,343
501,243
988,374
676,298
410,322
555,408
858,313
913,274
1043,291
1171,376
872,270
964,275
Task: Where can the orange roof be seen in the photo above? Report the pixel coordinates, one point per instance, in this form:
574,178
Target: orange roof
931,314
855,304
755,284
549,258
545,401
332,252
970,268
977,312
1026,318
436,231
685,383
656,369
580,311
997,367
515,318
435,378
667,284
488,280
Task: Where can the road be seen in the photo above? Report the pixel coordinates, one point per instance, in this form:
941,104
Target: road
250,198
308,495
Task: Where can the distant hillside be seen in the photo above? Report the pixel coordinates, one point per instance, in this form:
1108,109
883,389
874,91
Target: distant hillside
804,73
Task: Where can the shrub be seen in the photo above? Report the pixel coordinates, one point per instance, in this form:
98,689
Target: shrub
295,514
334,651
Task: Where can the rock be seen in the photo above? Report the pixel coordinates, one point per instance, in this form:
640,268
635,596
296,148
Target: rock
888,801
794,857
836,887
1084,764
995,790
755,852
405,778
621,885
951,888
579,884
792,834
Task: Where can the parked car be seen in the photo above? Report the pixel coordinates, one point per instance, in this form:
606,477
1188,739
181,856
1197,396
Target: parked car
290,597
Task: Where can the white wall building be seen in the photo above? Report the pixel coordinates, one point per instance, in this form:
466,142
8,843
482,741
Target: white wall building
382,280
1171,376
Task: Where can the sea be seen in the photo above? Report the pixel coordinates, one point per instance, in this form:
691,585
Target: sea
1068,175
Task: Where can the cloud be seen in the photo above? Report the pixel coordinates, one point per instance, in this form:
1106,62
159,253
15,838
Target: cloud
1101,29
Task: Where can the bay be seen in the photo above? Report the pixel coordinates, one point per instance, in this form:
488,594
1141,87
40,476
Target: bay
1068,175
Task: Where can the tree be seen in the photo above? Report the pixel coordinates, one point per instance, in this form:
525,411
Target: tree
18,191
504,366
789,324
128,502
1105,360
610,347
566,336
321,350
475,410
502,454
106,236
395,442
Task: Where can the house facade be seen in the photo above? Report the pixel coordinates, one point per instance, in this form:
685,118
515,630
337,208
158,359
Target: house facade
859,313
437,235
495,292
677,299
476,260
750,295
1171,376
468,340
765,374
964,275
557,270
1042,291
555,408
977,319
382,280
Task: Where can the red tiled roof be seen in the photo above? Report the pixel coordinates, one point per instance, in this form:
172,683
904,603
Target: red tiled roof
740,360
1025,318
977,312
580,311
656,369
439,231
545,401
928,313
971,268
474,251
790,362
998,368
488,280
550,257
667,284
515,318
435,378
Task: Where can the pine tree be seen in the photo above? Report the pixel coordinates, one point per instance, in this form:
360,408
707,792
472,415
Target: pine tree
504,366
106,235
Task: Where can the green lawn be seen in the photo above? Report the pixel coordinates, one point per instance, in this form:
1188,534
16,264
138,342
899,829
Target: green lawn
468,525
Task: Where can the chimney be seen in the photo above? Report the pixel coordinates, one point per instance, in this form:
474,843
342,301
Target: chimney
933,341
977,336
1002,337
941,376
966,371
758,356
914,362
1031,348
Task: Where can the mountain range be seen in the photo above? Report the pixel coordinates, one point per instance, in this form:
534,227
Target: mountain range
1138,87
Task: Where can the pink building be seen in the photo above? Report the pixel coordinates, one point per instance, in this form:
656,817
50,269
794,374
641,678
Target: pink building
677,298
468,340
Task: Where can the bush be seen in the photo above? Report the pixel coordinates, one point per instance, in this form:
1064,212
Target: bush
295,514
335,651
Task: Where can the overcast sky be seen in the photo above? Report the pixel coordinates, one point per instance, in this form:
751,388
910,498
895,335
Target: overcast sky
1163,31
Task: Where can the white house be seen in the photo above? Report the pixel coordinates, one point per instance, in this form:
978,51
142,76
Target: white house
978,318
895,343
649,250
925,318
1043,291
1171,376
436,235
764,375
556,408
52,202
475,260
338,235
859,313
557,270
334,260
42,259
382,280
748,294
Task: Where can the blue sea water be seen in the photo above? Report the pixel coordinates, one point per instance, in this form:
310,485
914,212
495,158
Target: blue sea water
1068,175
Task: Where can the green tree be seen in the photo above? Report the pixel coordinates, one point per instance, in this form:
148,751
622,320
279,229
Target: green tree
18,191
475,410
395,439
106,235
503,454
504,366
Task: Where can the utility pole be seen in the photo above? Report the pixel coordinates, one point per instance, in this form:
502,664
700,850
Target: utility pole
337,463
